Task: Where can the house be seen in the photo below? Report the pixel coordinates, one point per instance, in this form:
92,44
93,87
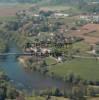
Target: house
39,50
33,49
84,17
93,3
90,17
45,50
59,59
61,15
36,15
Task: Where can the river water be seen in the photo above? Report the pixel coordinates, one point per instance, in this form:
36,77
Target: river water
23,79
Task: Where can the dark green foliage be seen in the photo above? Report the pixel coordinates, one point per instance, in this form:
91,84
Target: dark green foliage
57,92
43,67
3,45
6,90
12,93
43,13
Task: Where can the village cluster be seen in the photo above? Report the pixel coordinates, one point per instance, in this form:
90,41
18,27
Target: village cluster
48,35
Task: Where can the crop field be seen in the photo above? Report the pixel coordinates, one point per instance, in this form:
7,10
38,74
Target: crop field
7,18
86,68
53,8
64,8
85,31
10,10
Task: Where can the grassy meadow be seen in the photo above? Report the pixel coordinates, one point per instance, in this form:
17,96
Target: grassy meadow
88,69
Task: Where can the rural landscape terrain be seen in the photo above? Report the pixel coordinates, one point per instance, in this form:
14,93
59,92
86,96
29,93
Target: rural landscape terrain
49,49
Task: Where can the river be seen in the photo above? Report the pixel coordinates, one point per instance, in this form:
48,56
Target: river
26,80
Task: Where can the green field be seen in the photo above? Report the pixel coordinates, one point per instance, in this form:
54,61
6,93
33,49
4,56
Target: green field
86,68
53,8
7,18
82,46
50,61
66,8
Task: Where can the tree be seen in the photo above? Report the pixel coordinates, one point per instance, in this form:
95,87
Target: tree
90,91
70,77
46,14
78,93
2,93
12,93
57,92
43,67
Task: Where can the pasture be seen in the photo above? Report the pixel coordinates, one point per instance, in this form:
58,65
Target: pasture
88,69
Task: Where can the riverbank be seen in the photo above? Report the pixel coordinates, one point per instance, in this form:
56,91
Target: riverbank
23,60
78,66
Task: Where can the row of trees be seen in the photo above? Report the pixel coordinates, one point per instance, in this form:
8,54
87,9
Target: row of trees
78,91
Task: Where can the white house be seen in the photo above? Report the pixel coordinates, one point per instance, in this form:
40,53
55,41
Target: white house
45,50
59,59
84,17
61,15
34,49
36,15
92,17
